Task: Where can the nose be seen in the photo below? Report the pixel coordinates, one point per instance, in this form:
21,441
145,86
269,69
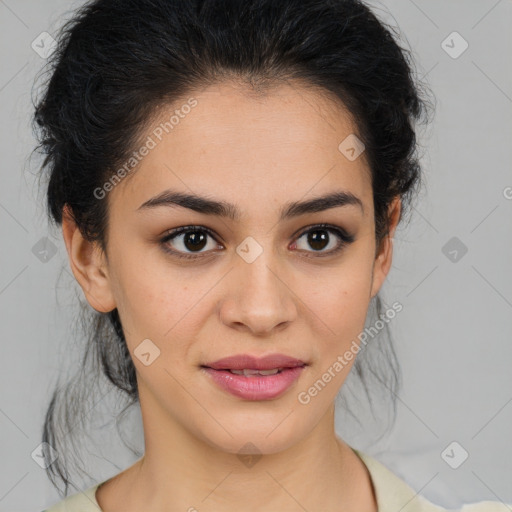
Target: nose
259,300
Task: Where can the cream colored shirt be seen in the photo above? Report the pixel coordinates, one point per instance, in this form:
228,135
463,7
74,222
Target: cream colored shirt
392,493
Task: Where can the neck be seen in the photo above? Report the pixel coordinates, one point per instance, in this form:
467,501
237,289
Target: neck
180,471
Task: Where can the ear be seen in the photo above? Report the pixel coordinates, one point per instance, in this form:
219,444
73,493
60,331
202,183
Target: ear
384,256
88,264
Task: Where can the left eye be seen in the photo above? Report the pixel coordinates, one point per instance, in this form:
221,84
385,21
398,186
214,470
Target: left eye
318,238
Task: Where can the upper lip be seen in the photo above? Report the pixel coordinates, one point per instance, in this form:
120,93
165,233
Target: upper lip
246,361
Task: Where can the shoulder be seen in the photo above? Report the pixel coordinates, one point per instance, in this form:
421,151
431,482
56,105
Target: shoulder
487,506
393,493
84,501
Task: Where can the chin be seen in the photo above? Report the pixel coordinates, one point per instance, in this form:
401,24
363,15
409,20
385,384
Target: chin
255,438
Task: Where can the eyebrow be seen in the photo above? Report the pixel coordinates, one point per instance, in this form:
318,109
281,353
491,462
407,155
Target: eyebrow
204,205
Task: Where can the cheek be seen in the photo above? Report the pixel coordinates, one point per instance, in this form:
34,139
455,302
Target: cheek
339,300
161,304
146,301
340,296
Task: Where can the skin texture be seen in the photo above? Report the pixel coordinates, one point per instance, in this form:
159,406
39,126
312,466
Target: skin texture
258,151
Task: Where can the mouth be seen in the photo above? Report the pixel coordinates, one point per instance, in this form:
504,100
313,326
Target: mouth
253,378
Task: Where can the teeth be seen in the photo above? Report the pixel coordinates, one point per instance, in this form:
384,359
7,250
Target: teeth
247,372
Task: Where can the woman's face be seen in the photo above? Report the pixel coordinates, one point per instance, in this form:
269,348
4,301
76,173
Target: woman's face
261,282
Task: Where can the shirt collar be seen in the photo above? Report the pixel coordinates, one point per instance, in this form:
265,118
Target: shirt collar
391,492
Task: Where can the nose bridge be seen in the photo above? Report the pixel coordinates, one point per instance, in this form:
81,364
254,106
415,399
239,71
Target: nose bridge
260,298
258,278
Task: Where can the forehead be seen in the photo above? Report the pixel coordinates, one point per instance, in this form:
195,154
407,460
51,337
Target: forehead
258,149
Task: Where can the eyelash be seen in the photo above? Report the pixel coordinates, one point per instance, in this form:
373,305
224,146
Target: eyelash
346,239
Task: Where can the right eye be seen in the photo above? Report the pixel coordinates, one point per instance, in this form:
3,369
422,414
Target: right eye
188,238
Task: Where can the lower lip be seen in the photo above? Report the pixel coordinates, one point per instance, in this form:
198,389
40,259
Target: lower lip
255,387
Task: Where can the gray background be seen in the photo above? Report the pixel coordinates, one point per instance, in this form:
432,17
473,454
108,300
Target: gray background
452,337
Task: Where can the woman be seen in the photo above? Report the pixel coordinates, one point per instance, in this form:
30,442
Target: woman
229,176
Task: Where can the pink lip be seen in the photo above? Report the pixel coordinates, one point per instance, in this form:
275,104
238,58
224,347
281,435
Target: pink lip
244,361
255,387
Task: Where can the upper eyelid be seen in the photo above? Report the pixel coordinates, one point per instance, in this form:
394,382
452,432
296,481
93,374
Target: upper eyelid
326,226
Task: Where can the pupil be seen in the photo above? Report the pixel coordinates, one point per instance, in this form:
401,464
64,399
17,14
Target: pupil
194,240
318,239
